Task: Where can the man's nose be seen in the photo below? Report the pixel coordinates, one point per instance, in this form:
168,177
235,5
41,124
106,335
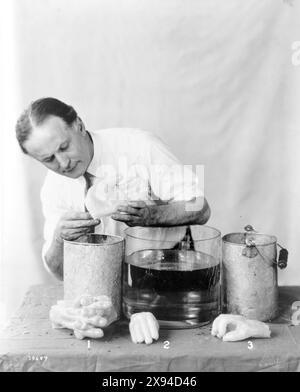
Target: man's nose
64,161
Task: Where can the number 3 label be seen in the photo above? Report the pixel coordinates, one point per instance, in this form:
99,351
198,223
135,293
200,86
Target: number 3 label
296,314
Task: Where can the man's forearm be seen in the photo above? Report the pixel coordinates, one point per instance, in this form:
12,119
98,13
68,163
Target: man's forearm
179,213
54,257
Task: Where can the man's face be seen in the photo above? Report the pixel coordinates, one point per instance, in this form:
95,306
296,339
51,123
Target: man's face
65,149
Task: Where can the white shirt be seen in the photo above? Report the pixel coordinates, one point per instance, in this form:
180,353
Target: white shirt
128,164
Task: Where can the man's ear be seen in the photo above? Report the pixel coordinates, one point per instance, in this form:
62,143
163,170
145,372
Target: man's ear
81,126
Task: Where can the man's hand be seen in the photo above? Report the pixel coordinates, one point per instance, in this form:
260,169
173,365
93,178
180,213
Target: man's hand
135,213
74,224
71,226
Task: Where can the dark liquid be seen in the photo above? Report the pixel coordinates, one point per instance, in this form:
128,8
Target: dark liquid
178,287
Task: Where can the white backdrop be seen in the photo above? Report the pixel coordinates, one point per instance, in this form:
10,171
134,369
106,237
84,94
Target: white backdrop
214,78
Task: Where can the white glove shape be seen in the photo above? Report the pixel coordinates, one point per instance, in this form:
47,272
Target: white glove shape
143,327
231,328
85,316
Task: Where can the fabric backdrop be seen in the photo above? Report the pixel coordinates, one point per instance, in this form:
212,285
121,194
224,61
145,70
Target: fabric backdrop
218,80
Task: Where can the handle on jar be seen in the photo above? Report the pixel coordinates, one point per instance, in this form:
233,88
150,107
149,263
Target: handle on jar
283,254
282,258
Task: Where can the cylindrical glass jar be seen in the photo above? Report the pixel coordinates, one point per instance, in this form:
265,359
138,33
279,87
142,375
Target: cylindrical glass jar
174,273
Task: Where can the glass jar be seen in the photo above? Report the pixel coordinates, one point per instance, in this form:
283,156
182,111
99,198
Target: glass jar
174,273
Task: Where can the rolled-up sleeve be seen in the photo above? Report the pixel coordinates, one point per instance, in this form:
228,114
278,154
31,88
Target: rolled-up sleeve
52,210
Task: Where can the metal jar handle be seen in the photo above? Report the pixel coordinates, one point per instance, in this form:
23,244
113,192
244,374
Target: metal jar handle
251,250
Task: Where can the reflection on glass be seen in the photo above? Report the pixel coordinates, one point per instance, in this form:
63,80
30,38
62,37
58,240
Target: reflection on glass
173,273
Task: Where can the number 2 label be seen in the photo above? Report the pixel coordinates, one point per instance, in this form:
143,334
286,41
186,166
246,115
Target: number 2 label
166,344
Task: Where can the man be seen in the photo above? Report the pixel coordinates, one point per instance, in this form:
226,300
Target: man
104,180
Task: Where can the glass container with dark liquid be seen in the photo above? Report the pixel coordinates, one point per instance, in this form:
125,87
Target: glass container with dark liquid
173,273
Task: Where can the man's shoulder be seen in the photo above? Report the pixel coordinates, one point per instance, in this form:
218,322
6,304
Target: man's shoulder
122,141
128,136
122,133
133,143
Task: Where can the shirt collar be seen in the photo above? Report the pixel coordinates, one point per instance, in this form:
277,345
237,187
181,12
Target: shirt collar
95,162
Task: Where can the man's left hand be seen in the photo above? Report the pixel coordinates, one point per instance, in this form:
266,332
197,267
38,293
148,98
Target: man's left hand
135,213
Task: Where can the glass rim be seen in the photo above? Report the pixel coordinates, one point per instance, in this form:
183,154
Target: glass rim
118,239
273,239
218,233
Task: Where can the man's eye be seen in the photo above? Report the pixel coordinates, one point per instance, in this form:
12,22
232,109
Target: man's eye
64,148
50,159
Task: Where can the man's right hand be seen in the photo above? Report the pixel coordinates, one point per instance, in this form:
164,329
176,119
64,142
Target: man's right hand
74,224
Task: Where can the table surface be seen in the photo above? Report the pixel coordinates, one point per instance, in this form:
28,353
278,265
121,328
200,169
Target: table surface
29,343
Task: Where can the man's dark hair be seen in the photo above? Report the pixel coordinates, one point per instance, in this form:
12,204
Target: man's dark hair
37,112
